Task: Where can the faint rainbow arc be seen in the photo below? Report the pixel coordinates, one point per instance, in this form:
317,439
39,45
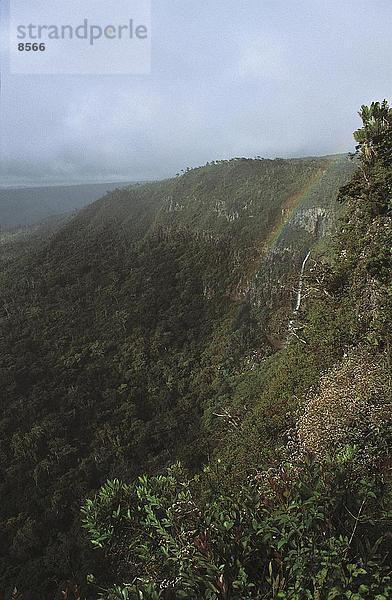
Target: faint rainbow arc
293,202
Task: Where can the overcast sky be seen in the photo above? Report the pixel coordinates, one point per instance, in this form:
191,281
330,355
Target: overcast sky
228,78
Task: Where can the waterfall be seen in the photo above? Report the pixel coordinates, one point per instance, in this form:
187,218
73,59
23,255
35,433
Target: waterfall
300,284
298,302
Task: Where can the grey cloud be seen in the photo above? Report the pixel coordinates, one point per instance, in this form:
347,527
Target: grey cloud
271,78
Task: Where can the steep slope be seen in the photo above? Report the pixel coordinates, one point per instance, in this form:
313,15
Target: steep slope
125,331
296,501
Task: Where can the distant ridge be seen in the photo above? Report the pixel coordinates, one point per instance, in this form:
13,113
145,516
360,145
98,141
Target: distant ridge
21,206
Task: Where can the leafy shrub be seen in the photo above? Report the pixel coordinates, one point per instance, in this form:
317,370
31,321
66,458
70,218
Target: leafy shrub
299,534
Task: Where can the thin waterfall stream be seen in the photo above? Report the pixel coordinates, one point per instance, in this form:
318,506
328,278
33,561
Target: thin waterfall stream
299,296
300,284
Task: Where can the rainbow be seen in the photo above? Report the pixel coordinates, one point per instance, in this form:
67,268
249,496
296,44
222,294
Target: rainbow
294,201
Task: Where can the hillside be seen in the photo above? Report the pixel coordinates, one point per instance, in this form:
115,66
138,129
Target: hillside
126,331
295,499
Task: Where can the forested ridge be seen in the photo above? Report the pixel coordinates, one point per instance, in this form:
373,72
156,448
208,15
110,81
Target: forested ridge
151,342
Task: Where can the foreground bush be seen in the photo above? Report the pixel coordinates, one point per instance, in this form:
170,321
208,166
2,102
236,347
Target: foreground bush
298,533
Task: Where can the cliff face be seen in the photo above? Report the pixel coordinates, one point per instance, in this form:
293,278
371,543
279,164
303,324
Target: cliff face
267,214
304,227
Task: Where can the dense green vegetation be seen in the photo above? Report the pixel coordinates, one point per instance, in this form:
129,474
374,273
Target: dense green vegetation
153,329
301,504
